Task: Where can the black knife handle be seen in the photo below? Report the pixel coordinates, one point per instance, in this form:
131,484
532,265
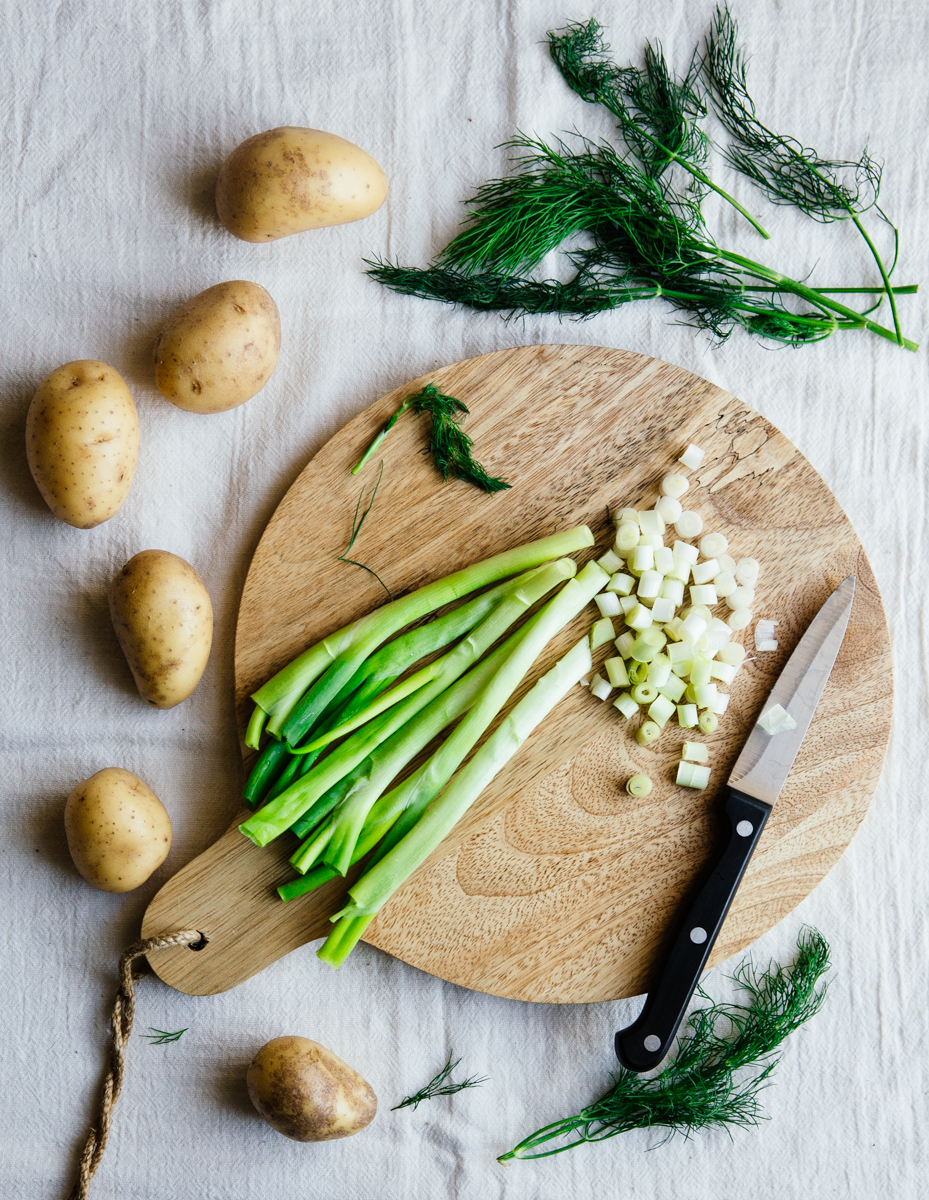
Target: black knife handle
642,1045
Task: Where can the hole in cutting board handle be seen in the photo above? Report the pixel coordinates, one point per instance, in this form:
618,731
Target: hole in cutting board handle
201,944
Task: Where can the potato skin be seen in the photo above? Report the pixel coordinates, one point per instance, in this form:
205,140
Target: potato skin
220,348
164,621
118,830
306,1093
290,179
82,442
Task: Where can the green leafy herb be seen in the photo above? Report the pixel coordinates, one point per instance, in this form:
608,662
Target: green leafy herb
787,171
158,1037
449,445
440,1085
357,523
702,1088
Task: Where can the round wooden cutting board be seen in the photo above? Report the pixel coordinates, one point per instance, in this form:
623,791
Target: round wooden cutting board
556,886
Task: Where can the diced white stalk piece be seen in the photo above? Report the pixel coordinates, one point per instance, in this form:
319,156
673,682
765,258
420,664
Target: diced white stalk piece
776,720
742,597
627,603
740,618
616,671
720,704
640,617
651,521
663,609
627,514
698,752
624,643
649,643
726,563
714,544
718,626
692,457
664,559
693,626
703,593
643,558
601,632
673,688
651,539
683,668
609,562
674,485
701,645
687,715
659,671
702,671
689,524
626,705
767,644
724,672
725,584
621,584
715,641
673,629
669,508
584,681
627,536
733,654
600,688
701,610
704,572
680,652
766,627
705,694
673,590
686,551
649,585
681,569
746,571
661,710
608,603
692,775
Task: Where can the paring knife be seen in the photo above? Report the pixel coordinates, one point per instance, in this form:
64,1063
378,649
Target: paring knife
752,791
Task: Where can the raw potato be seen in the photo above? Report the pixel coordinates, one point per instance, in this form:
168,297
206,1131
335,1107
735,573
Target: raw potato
290,179
306,1093
164,621
118,830
219,348
82,442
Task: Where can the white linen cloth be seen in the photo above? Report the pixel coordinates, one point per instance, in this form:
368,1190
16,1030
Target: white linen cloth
115,118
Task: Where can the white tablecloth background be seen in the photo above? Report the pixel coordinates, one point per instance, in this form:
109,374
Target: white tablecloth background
115,118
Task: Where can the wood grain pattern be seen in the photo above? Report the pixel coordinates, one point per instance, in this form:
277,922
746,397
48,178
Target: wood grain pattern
557,886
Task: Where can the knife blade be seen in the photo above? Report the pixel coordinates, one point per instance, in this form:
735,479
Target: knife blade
754,785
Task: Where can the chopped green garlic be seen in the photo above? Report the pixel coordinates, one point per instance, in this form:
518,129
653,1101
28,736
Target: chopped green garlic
702,671
600,687
621,584
670,509
704,593
733,653
686,551
649,642
727,563
651,539
740,618
662,609
689,524
664,559
713,544
764,633
639,786
705,572
687,715
659,671
724,672
674,486
651,522
747,571
625,642
673,688
647,733
692,457
742,597
681,652
777,720
697,752
692,775
673,590
626,514
609,562
608,603
725,584
720,704
693,627
708,722
649,585
628,603
661,710
616,672
640,618
643,558
626,705
601,633
705,694
680,570
644,693
627,536
638,672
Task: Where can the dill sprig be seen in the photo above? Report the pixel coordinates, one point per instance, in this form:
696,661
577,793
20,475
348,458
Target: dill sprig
159,1037
449,445
357,522
440,1085
788,172
701,1088
658,112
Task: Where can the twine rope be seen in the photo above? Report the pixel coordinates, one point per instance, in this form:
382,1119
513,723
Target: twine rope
120,1029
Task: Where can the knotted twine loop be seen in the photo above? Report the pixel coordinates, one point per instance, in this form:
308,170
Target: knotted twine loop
120,1028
